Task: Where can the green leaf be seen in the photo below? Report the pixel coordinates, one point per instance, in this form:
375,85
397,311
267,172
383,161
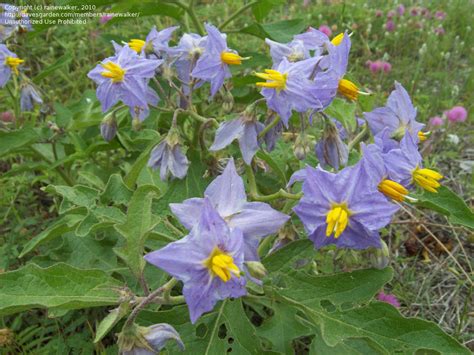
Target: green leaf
135,230
284,326
387,328
285,258
282,31
116,191
60,286
64,225
80,195
62,61
106,324
344,112
342,288
448,203
137,167
225,330
12,140
262,8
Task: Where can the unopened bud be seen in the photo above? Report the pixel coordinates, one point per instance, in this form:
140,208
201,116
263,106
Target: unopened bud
302,147
256,269
108,127
380,258
228,102
136,124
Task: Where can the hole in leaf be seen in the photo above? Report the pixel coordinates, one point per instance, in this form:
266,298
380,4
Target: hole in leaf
229,350
222,333
328,306
230,340
201,330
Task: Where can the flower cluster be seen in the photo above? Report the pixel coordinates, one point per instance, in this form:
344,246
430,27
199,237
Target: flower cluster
225,231
14,21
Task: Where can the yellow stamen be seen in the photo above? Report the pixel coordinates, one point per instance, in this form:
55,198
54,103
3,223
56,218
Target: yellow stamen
348,89
137,45
13,63
231,58
113,71
276,80
221,265
423,136
427,179
337,220
393,190
338,39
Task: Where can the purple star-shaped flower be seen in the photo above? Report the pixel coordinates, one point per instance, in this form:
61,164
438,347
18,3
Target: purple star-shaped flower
289,88
124,77
213,65
246,129
397,116
169,158
208,262
293,51
344,209
9,63
227,195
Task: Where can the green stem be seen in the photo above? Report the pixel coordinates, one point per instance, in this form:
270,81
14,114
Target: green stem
58,169
357,139
236,14
254,195
252,183
165,290
192,14
269,127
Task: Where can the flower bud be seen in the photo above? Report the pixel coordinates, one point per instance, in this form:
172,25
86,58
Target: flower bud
136,124
380,258
136,340
256,269
302,147
331,150
7,116
228,102
108,127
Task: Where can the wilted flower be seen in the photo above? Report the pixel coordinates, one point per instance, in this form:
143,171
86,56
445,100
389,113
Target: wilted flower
331,150
227,195
9,63
326,30
7,337
390,26
344,209
155,42
273,133
457,114
302,146
28,97
137,340
397,116
436,121
169,158
288,87
208,261
124,77
388,298
293,51
245,128
213,65
404,165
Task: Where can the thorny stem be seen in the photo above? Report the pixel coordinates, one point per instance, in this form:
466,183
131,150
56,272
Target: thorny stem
236,14
272,124
165,290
